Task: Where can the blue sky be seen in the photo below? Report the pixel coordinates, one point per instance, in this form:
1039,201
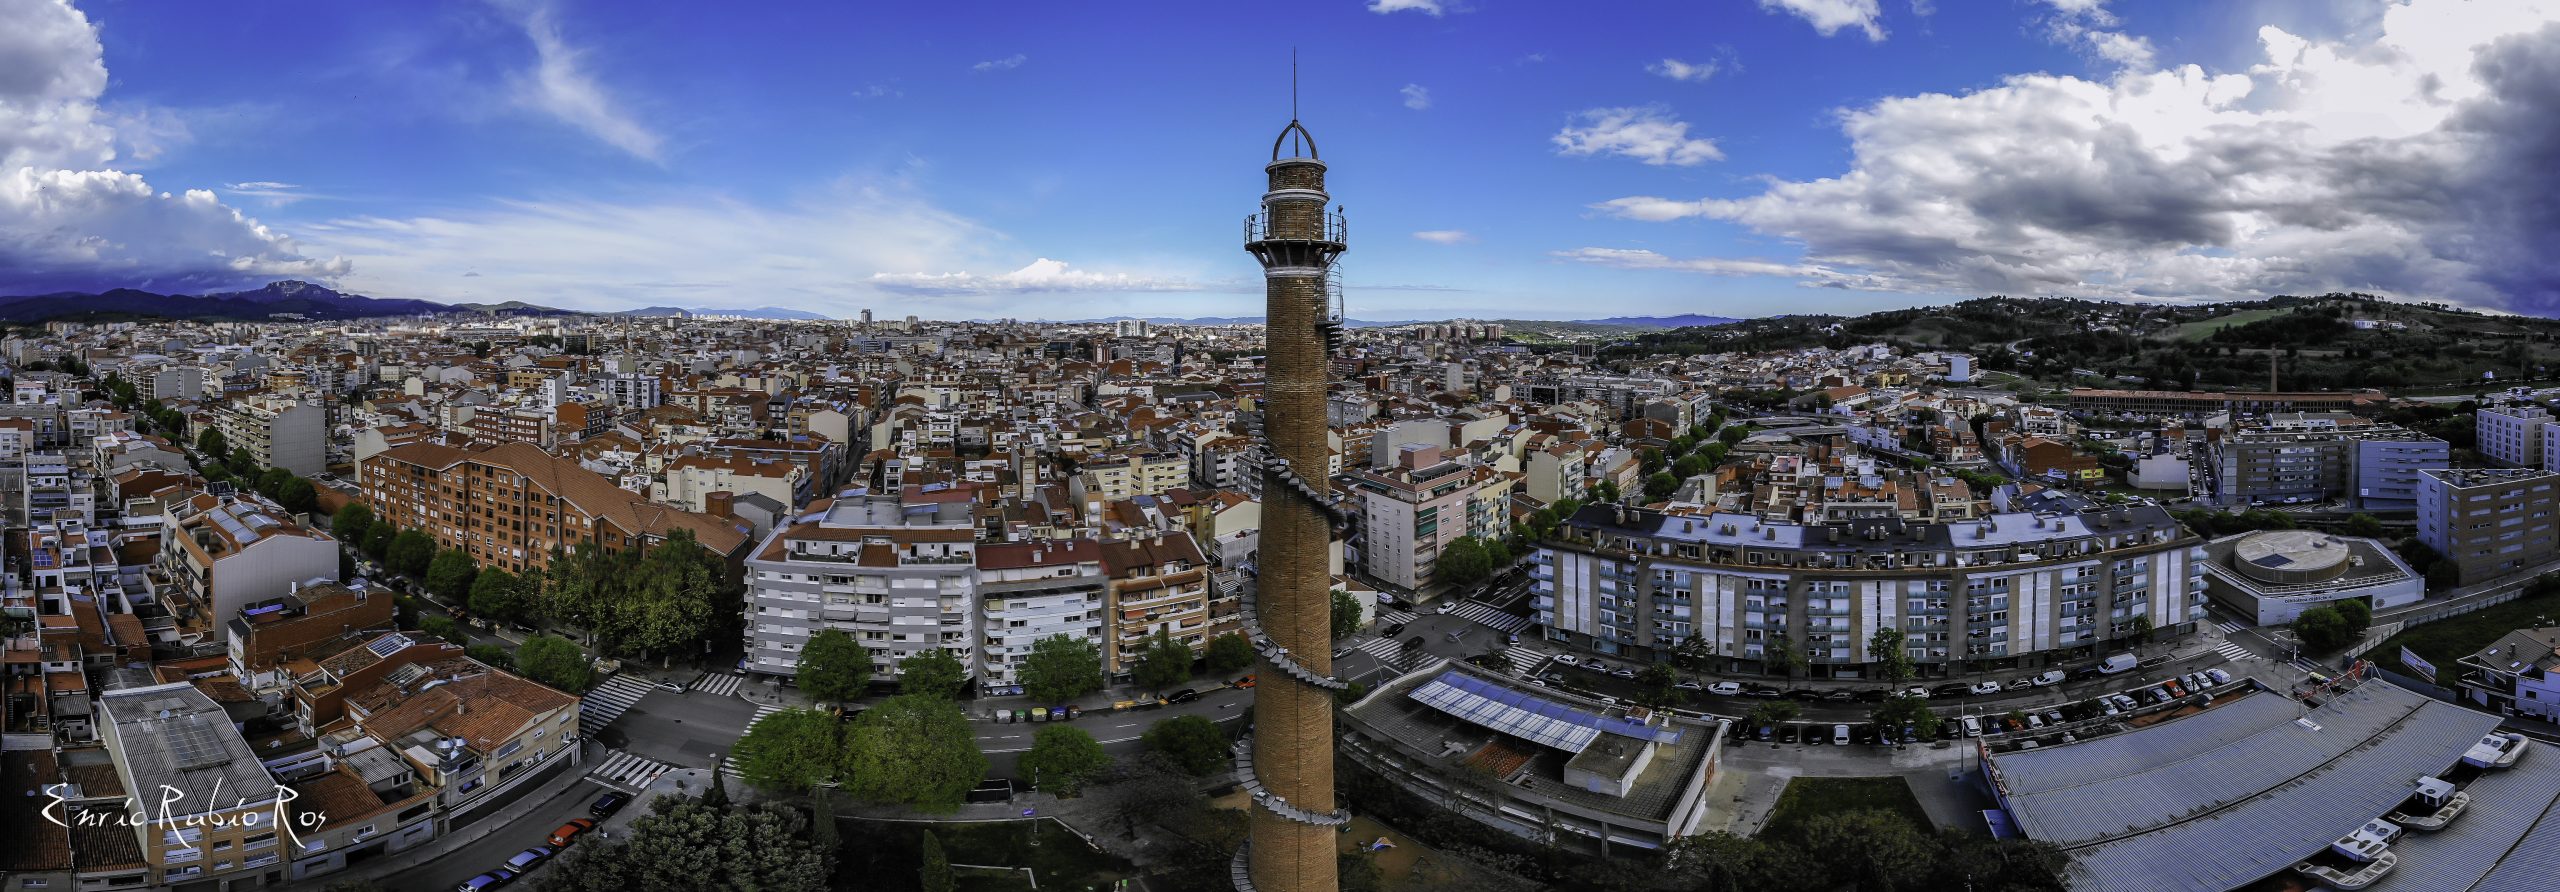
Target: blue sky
1497,159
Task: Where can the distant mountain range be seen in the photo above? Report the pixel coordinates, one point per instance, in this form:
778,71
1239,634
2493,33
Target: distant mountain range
1685,320
784,313
303,298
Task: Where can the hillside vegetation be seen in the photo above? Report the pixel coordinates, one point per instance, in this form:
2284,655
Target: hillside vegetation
2314,343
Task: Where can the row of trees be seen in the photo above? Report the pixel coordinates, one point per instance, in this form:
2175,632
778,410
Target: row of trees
1697,452
836,669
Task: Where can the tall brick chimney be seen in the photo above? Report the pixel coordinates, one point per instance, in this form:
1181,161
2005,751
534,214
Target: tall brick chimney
1291,847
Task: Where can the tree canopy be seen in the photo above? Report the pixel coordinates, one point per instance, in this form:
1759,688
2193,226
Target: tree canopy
1063,758
1162,662
1229,652
411,552
1061,668
1346,614
933,672
834,668
687,844
450,573
553,660
792,751
912,750
1192,743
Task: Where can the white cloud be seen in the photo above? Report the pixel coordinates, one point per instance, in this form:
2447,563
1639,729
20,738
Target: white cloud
878,91
1648,134
2086,25
1830,16
1686,71
1426,7
68,221
1007,63
1810,275
1445,236
1040,276
1416,96
560,86
2415,160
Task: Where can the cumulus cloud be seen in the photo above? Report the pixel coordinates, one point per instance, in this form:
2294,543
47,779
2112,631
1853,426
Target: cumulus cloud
1686,71
2416,160
1416,96
561,86
1426,7
67,219
1811,275
1007,63
2087,26
820,252
1648,134
1829,17
1445,236
1041,276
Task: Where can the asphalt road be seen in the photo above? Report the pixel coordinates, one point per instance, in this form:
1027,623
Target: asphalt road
449,871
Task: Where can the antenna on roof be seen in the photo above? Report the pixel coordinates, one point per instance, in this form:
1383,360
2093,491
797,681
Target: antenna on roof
1293,83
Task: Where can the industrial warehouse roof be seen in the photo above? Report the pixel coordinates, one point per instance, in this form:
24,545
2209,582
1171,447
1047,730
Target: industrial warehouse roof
2237,793
2508,840
1527,716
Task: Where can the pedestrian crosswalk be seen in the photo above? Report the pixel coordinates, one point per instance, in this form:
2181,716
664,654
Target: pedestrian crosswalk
1490,616
608,702
1382,648
718,684
630,772
1522,659
1394,617
729,763
2229,627
2233,651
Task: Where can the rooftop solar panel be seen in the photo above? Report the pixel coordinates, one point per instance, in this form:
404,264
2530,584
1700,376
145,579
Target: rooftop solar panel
1528,716
387,644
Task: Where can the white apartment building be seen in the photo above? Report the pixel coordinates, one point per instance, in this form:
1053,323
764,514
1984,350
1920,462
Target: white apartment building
1028,591
897,572
278,433
2513,435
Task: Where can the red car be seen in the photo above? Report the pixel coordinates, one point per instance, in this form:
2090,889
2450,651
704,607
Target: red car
569,832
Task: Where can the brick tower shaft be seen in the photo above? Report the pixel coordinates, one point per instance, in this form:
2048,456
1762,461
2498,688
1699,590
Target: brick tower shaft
1293,830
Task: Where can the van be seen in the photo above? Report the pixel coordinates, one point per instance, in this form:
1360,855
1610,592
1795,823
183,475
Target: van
2116,663
1840,735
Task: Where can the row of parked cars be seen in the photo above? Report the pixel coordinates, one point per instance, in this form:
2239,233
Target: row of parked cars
567,834
2022,722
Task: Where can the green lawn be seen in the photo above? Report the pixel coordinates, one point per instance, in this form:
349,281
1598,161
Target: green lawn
886,855
2446,640
1809,797
2204,328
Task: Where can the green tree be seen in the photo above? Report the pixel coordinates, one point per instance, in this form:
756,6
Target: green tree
271,482
933,672
669,604
1191,743
378,539
1870,849
834,668
1060,669
687,843
792,751
296,495
442,626
491,653
573,585
1660,485
1885,653
2358,614
211,443
1902,710
1162,662
1656,684
1346,614
411,552
553,660
1063,758
1462,563
2365,525
450,573
1782,655
1716,861
495,593
1770,713
913,750
936,874
1732,435
1229,652
2322,629
351,523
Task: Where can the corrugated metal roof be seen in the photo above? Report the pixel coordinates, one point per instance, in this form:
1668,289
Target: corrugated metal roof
2505,807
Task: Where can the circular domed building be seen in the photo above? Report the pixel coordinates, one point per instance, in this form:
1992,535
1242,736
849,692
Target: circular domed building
2273,576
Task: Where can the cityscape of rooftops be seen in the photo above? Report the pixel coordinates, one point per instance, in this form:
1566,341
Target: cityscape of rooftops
1826,445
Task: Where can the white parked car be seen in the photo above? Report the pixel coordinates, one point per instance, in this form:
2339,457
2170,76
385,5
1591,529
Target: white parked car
1984,687
1916,692
1446,606
1725,689
2050,677
1568,659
